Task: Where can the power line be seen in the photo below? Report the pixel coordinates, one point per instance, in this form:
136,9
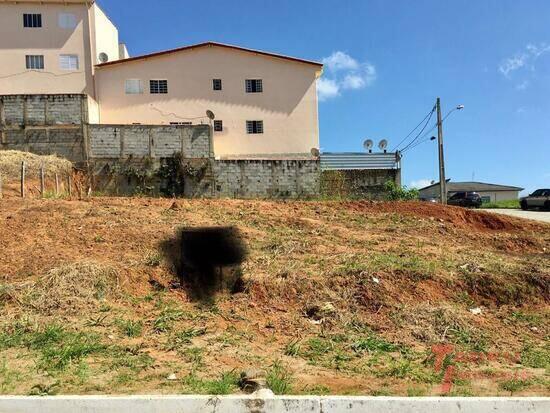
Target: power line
411,132
421,131
422,140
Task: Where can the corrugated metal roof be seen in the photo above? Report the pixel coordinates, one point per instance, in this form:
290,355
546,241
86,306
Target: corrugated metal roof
475,187
332,161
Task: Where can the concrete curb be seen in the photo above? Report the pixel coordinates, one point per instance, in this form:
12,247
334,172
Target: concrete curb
252,404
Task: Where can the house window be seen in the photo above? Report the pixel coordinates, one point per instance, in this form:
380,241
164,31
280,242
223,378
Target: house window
217,84
68,62
254,126
158,86
67,21
254,86
134,87
32,20
218,126
35,62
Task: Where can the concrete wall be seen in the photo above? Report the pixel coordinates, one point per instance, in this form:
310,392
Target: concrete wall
35,110
367,183
104,35
277,404
287,106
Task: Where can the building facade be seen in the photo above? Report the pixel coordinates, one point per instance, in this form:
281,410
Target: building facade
265,105
488,192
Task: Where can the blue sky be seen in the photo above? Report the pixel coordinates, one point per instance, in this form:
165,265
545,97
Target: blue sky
386,64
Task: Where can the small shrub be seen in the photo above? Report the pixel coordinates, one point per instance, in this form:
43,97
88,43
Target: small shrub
394,192
514,385
130,328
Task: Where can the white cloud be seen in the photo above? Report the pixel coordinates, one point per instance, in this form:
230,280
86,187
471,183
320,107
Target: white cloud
420,183
340,61
343,72
523,85
327,89
523,59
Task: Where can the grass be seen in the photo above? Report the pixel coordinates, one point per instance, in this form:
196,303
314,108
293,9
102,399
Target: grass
130,328
515,385
507,204
279,379
536,357
166,319
227,383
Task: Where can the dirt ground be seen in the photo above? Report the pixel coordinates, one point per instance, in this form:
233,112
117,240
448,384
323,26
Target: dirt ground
337,298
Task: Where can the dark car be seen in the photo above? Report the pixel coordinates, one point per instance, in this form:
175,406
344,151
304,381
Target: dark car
465,199
538,199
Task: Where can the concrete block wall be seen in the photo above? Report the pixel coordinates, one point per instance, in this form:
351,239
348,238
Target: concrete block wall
140,141
268,178
368,183
37,110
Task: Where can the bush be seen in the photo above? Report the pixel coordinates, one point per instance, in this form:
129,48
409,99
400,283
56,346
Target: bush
394,192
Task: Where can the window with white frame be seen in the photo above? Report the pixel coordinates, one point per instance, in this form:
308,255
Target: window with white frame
68,62
158,87
254,126
254,86
67,20
134,86
32,20
34,62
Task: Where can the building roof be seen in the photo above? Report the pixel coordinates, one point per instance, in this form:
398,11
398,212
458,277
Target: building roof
340,161
209,44
475,187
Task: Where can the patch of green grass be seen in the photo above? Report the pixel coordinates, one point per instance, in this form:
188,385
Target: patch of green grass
515,385
8,378
181,339
131,358
317,390
166,318
279,379
292,349
507,204
473,339
227,383
372,344
534,320
536,357
194,355
130,328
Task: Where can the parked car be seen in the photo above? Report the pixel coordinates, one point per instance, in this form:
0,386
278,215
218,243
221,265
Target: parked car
538,199
465,199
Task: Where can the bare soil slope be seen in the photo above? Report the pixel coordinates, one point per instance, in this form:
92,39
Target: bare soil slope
338,297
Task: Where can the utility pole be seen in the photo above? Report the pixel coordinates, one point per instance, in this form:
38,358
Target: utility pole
442,181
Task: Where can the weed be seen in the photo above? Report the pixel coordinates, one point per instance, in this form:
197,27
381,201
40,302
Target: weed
226,384
416,391
166,318
130,328
373,344
153,259
99,239
44,389
194,355
279,379
130,358
292,349
536,357
514,385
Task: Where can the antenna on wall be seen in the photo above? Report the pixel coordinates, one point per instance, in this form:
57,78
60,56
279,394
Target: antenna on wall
368,144
315,152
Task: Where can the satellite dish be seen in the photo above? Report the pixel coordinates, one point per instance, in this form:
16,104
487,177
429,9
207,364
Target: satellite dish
315,152
103,57
383,144
210,115
368,144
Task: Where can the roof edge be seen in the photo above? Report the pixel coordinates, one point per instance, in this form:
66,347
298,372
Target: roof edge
210,44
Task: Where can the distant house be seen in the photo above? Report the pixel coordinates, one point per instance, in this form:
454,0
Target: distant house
488,192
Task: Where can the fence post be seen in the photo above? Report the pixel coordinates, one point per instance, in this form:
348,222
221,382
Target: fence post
23,179
42,184
70,185
56,184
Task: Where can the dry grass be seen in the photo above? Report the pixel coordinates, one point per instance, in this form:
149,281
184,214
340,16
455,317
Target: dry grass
72,286
10,164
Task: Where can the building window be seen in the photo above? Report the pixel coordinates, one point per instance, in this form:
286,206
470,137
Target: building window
68,62
158,87
254,86
35,62
254,126
32,20
67,21
218,126
134,87
217,84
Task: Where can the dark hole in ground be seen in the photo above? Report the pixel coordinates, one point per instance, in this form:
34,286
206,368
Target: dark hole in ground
207,259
